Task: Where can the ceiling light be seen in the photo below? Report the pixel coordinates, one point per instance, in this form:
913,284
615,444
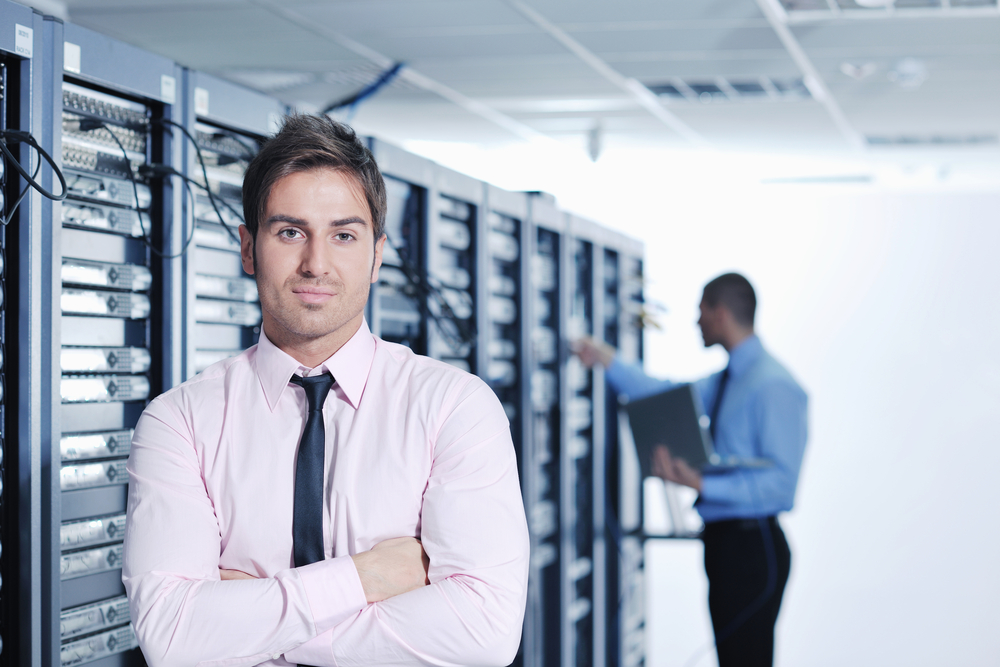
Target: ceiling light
875,4
908,73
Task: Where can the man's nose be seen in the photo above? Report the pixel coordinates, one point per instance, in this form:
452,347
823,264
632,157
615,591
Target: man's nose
315,259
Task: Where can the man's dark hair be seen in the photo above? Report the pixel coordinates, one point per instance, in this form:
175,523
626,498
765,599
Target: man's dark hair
735,293
305,143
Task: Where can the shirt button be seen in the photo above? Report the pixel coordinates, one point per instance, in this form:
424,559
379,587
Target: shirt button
275,656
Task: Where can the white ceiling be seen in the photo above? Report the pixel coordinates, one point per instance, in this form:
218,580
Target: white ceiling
497,71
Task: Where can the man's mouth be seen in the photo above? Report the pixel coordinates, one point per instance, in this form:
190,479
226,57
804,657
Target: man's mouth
313,294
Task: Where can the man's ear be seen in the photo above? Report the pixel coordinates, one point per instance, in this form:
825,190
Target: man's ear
377,263
246,249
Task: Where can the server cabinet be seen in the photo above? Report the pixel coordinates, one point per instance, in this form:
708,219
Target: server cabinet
542,472
454,207
26,379
226,124
622,327
397,307
116,241
504,328
583,455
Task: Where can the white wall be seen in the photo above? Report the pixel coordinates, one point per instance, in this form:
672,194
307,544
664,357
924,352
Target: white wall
882,299
885,307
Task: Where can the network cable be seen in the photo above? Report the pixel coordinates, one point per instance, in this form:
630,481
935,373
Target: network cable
204,173
90,124
16,136
352,101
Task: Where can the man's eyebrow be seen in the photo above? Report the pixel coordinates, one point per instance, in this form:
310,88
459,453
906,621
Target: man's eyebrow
291,219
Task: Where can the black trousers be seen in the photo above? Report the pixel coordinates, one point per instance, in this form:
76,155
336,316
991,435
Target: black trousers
743,559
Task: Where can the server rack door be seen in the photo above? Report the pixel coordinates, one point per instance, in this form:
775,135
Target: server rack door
397,306
626,501
577,460
26,598
116,248
226,124
542,471
454,206
502,321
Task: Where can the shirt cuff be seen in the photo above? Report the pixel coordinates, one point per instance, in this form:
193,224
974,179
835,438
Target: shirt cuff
334,591
714,486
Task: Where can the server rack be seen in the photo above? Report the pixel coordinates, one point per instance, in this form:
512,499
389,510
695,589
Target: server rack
502,327
115,246
454,208
503,349
542,473
397,308
227,124
622,286
25,373
584,570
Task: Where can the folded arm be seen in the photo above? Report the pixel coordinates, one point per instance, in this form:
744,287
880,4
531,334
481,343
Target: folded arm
183,612
474,531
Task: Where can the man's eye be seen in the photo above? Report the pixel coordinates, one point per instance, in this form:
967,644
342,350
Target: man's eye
289,233
344,236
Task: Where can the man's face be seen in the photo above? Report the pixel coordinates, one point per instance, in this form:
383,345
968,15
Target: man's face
710,323
316,258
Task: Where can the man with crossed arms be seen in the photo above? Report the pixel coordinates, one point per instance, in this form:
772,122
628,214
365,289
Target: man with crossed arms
414,520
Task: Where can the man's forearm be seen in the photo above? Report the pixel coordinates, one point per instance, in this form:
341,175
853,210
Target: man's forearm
180,621
461,620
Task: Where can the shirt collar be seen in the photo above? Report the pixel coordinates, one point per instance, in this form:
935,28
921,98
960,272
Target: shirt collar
744,355
349,366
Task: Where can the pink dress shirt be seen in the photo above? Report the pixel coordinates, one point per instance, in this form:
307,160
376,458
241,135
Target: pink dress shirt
414,447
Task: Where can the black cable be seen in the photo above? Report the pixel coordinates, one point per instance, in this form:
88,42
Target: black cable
155,169
10,216
427,290
250,152
190,237
204,173
87,125
28,138
90,124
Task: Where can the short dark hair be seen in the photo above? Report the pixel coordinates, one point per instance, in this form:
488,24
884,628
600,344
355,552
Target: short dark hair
305,143
735,293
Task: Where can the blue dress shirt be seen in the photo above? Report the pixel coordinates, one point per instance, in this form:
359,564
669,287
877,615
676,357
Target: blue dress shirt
763,415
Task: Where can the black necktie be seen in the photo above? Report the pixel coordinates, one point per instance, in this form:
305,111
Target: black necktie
718,402
307,517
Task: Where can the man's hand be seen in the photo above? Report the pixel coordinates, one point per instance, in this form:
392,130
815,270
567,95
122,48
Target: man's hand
392,567
593,352
233,575
673,469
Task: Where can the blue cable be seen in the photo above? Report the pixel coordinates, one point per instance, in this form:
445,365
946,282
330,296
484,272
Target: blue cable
354,100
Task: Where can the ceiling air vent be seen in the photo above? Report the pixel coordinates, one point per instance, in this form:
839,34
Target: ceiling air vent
933,140
721,89
828,9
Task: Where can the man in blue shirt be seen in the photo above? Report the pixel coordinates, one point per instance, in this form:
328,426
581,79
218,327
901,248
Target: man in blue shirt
758,412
